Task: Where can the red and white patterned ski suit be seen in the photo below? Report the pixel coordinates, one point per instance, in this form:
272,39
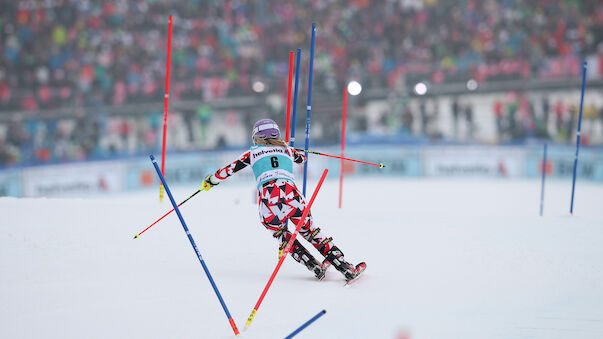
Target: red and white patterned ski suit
280,200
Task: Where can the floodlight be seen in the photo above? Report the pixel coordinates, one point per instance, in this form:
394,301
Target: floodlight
354,87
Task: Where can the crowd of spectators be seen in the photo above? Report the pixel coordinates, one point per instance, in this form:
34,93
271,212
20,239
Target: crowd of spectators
90,54
98,136
519,116
55,53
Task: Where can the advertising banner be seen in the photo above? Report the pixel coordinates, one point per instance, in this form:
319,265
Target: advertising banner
405,161
179,168
398,161
473,161
73,179
10,183
560,163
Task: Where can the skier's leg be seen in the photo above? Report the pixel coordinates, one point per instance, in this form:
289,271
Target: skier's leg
301,255
321,242
312,234
274,217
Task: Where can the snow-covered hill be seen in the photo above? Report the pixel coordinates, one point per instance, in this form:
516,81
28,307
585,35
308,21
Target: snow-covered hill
446,259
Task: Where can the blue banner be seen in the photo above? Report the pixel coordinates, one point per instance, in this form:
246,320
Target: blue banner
10,183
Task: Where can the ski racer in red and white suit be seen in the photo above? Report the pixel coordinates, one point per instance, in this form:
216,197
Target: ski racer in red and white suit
280,200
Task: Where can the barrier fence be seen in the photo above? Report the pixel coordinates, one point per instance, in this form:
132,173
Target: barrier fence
462,161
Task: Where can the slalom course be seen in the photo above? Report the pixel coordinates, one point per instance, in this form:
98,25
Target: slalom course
522,275
290,139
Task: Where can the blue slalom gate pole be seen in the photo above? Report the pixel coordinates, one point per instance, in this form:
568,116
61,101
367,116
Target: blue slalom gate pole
298,57
578,137
192,241
543,176
309,107
320,314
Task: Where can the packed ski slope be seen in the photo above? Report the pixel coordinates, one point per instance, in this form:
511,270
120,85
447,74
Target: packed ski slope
446,259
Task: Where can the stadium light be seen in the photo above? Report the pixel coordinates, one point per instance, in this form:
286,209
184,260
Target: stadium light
258,86
421,88
354,87
472,84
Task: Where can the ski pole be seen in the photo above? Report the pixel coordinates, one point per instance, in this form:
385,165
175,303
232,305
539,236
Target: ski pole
380,165
286,251
320,314
192,241
138,235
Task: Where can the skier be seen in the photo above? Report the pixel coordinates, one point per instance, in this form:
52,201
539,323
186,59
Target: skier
280,199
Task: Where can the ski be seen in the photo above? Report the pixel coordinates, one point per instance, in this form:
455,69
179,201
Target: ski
323,270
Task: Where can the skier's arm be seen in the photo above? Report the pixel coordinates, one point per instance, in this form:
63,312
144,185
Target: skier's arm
223,173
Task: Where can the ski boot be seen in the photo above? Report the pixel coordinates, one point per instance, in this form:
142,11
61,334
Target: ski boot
335,257
301,255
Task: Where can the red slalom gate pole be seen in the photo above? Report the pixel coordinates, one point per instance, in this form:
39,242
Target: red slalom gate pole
166,99
286,251
380,165
345,110
288,115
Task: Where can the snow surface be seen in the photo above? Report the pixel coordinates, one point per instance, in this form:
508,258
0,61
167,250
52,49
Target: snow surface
446,259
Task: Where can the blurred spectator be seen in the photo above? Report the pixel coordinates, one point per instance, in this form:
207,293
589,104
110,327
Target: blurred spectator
498,116
204,114
559,115
407,120
589,117
546,110
572,124
455,109
423,116
469,121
